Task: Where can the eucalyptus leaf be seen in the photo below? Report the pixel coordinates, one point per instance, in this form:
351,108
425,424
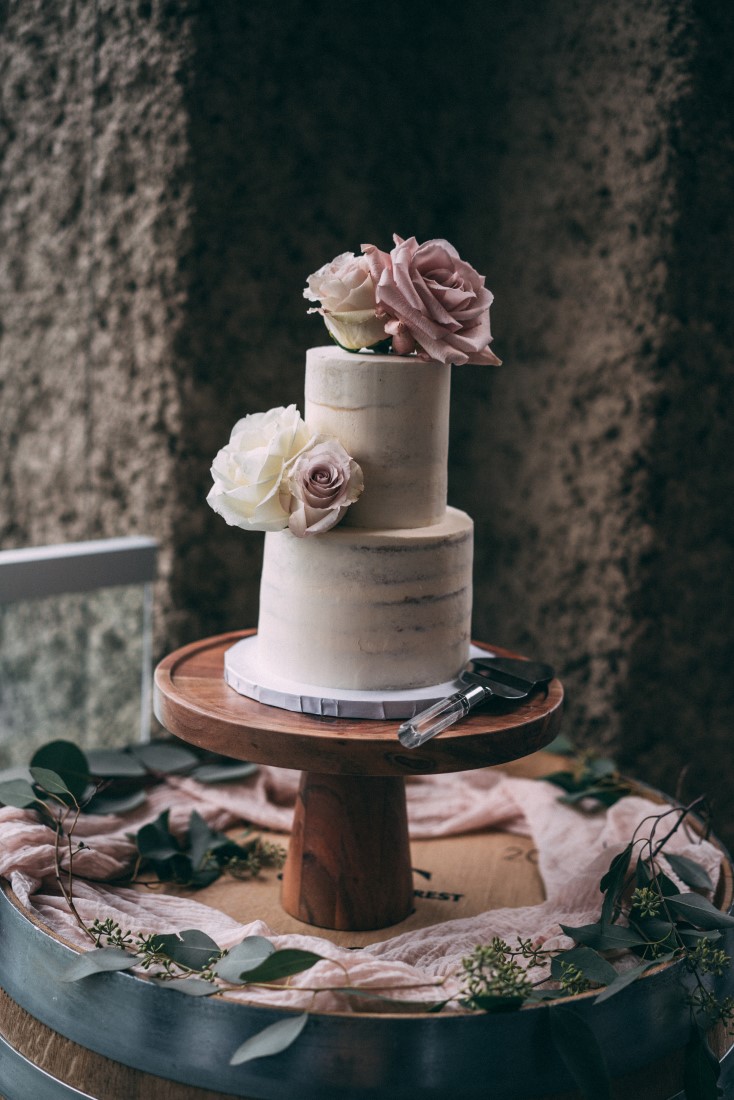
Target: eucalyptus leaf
18,771
662,933
698,911
178,869
612,884
690,872
561,746
491,1002
692,936
49,781
18,793
605,795
601,768
165,757
99,960
591,964
155,841
627,978
666,884
224,773
565,780
191,948
609,937
68,761
579,1048
244,956
274,1039
701,1069
116,804
193,987
281,964
203,840
644,877
114,764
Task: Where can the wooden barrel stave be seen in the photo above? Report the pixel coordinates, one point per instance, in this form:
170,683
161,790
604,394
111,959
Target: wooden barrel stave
148,1041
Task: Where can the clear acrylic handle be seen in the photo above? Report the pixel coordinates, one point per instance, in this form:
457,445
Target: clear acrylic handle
429,722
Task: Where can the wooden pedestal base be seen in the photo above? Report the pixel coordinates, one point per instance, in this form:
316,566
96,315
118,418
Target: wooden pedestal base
348,864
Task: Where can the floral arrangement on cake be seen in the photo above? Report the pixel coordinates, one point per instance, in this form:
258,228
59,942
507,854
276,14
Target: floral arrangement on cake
422,299
275,474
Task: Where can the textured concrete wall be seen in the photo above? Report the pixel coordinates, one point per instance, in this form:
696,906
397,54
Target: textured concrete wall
94,215
609,456
173,172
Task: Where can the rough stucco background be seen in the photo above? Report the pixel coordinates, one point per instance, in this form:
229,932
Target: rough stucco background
172,172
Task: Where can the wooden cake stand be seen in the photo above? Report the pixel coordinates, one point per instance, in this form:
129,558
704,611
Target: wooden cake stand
348,863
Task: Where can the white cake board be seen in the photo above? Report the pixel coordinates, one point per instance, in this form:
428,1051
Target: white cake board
242,672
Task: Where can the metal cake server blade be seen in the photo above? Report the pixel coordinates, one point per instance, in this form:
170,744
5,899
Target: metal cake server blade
508,678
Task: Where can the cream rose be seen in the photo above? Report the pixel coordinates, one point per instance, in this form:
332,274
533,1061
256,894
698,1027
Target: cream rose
323,481
346,292
249,473
433,302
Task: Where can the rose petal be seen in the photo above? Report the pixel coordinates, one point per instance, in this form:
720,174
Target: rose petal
377,261
433,301
304,521
360,329
248,473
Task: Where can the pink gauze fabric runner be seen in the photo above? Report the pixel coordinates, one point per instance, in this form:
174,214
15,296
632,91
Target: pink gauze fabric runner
574,851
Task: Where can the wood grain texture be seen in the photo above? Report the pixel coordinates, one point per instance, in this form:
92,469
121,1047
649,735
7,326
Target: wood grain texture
348,865
453,878
193,701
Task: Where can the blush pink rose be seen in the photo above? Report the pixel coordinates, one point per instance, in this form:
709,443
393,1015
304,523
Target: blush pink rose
323,481
435,302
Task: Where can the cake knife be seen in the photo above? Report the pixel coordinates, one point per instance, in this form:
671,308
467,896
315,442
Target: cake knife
509,678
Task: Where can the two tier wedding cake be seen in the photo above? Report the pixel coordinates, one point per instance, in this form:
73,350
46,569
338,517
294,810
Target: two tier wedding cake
366,582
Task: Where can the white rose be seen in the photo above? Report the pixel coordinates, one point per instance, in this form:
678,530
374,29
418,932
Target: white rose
248,473
323,481
346,292
343,285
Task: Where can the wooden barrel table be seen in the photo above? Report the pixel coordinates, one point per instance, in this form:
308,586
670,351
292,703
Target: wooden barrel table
117,1036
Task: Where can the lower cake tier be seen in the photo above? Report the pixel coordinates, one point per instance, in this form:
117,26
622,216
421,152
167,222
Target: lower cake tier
365,609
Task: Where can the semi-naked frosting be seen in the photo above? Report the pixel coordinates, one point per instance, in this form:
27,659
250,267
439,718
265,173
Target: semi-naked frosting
392,414
383,600
373,609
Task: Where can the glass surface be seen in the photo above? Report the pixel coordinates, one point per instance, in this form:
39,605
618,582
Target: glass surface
70,667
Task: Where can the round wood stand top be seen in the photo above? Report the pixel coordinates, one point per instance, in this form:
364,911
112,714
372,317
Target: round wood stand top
194,702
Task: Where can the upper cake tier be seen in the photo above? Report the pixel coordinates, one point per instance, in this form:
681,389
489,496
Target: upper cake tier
392,414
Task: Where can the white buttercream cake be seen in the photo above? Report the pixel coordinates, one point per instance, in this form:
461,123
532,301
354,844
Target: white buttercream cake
383,600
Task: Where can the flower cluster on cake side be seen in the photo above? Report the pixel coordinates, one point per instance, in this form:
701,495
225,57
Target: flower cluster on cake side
274,474
417,300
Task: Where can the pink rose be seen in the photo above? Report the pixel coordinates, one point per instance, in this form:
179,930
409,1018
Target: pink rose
323,481
435,302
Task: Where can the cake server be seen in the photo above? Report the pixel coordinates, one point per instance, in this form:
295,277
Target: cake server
508,678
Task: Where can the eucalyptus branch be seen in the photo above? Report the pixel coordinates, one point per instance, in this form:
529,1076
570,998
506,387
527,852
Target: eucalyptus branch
685,811
68,894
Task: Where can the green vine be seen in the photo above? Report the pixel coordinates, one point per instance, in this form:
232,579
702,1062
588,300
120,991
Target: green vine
643,912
